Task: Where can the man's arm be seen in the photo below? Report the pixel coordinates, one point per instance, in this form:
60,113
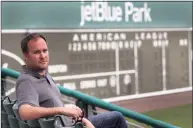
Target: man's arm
28,112
28,102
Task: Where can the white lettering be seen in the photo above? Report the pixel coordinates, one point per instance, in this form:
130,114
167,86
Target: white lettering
116,36
87,84
142,36
137,15
109,36
70,85
113,45
84,37
91,37
102,82
141,14
97,41
99,36
60,68
126,44
94,46
99,11
118,16
123,36
120,44
75,37
108,45
128,10
147,16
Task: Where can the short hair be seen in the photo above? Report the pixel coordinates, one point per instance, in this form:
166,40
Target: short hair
27,38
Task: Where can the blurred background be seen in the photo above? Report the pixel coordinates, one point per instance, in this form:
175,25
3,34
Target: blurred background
134,54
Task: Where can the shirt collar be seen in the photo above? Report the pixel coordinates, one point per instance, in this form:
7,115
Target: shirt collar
33,72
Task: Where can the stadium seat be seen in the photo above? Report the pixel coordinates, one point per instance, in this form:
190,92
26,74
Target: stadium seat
46,122
57,122
13,121
22,124
33,123
4,117
15,110
2,99
5,126
8,104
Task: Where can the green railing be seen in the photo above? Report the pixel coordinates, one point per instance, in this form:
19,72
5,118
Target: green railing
100,103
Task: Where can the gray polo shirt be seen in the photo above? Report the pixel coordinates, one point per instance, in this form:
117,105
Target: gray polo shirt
37,90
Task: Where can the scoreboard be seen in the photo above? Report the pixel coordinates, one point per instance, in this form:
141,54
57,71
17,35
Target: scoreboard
111,63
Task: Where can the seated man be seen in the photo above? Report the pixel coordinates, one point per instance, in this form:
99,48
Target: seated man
37,94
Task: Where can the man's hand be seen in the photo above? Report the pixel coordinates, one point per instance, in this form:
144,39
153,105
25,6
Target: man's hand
72,110
87,123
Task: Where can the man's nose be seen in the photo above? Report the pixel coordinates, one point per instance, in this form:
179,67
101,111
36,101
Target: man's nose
42,55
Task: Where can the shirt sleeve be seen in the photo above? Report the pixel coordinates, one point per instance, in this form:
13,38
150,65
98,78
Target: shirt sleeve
26,93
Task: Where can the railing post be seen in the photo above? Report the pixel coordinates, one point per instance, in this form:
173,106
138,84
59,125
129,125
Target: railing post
89,110
3,85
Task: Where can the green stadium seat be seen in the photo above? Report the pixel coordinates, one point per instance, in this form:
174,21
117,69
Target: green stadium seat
22,124
15,111
26,124
4,115
46,122
55,122
8,104
59,122
33,123
13,121
4,118
5,126
2,99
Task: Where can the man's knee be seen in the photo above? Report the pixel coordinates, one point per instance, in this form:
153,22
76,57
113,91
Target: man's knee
118,114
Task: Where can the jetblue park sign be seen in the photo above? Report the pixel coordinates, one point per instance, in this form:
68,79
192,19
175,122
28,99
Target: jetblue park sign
102,11
95,14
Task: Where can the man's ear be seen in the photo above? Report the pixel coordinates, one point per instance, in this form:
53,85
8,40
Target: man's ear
25,55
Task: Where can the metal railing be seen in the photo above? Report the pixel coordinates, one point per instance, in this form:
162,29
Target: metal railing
99,103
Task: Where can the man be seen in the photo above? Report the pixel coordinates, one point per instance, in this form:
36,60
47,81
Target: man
38,96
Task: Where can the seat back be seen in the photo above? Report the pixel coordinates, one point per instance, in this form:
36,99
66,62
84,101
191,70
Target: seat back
4,118
13,121
8,104
5,126
2,107
22,124
60,121
47,122
34,123
16,112
4,115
